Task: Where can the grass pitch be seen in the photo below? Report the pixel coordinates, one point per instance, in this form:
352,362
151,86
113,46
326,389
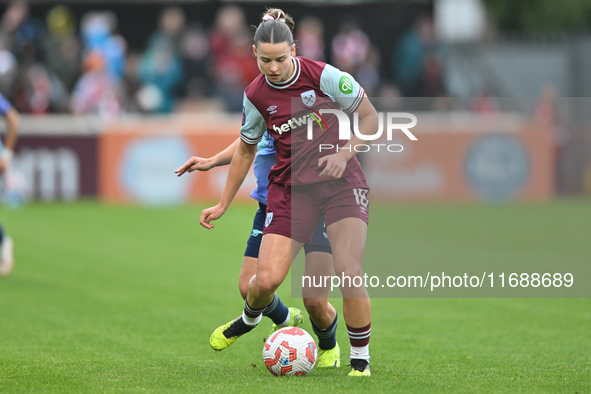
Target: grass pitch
123,298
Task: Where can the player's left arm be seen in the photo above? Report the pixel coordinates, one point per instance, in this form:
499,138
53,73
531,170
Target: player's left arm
12,124
336,163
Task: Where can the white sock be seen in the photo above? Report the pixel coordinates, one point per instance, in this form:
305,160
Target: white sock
286,322
361,352
251,321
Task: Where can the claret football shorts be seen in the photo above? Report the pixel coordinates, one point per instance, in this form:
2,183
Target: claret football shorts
294,211
319,242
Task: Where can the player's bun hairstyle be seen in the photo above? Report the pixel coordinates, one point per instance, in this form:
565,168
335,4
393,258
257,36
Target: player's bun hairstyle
276,26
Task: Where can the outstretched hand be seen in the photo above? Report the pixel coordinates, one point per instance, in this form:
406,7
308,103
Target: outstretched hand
194,164
209,214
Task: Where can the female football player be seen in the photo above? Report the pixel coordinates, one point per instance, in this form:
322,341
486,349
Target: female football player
306,179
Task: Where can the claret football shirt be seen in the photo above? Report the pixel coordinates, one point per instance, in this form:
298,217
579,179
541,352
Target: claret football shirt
283,109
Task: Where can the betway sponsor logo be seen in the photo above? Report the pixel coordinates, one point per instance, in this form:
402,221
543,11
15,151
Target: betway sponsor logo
296,122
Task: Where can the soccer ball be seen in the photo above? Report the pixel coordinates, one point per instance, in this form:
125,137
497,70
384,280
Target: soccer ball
290,351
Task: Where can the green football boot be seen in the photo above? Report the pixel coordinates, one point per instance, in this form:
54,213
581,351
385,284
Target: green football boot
330,358
359,368
295,319
228,333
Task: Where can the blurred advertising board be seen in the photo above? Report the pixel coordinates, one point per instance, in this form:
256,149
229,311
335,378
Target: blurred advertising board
137,159
456,158
468,158
60,166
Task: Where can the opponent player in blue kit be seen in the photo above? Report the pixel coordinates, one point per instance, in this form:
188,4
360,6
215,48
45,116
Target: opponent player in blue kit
6,152
323,316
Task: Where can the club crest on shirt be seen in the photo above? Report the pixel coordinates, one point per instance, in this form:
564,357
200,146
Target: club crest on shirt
309,98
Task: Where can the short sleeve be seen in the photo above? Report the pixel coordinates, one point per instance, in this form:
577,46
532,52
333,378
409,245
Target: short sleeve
4,105
253,123
341,87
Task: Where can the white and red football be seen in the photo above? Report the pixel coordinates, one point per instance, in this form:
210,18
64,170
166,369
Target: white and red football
290,351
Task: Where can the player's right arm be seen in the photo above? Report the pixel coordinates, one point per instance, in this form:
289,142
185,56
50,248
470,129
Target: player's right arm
196,163
239,167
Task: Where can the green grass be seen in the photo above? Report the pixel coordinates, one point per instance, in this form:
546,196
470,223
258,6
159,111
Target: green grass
120,298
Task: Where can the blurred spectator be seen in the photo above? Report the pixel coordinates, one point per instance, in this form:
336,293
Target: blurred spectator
97,91
194,50
63,48
21,34
132,83
485,103
40,91
98,30
160,73
417,52
171,26
368,72
229,22
549,114
234,66
546,111
350,47
160,69
8,72
431,80
309,36
446,103
389,98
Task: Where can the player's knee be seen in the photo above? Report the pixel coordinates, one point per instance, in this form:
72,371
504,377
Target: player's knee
349,271
316,306
265,285
243,287
244,283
